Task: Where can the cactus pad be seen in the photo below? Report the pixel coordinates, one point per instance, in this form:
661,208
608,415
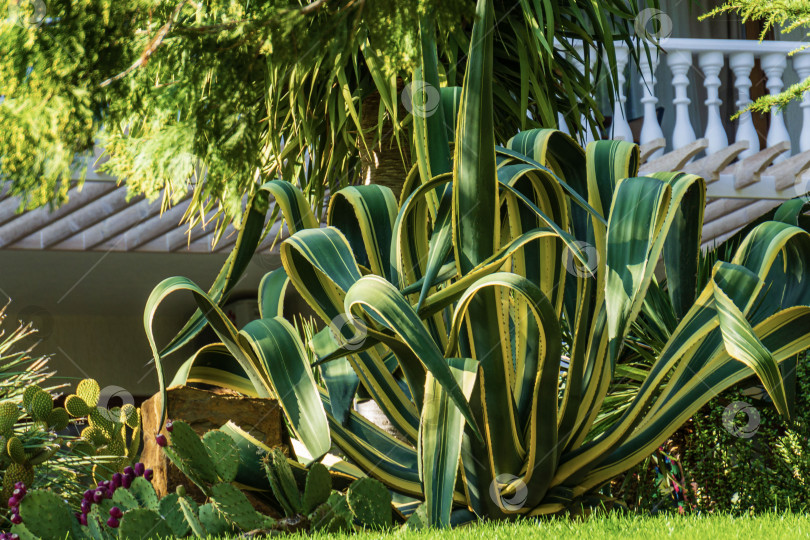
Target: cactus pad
213,521
145,494
9,414
223,452
100,418
188,446
123,499
283,483
370,503
325,520
143,523
28,393
45,514
192,520
58,418
317,489
89,391
169,509
94,435
76,406
130,415
15,450
233,504
40,406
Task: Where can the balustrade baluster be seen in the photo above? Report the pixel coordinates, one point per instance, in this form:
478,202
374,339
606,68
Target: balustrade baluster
679,63
711,63
619,128
650,129
741,64
774,65
801,63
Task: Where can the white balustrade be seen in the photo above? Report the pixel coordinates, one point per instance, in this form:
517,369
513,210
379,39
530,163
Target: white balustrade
650,129
740,169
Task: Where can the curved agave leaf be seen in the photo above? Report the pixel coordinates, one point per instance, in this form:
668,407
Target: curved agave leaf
218,321
280,353
389,308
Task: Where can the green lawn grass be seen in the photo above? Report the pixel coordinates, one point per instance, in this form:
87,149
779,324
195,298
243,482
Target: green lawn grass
624,527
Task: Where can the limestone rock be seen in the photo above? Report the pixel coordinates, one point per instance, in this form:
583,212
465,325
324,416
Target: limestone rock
205,410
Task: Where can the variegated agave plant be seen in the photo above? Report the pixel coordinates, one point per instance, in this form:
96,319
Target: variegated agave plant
498,264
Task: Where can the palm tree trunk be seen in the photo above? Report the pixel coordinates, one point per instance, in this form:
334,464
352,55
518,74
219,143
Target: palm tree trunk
385,161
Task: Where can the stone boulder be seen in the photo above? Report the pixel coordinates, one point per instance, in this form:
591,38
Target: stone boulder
205,410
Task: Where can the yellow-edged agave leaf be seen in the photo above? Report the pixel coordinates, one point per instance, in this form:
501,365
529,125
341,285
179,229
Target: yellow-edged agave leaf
688,196
475,192
272,289
214,365
279,351
366,214
636,217
440,433
383,303
215,318
297,215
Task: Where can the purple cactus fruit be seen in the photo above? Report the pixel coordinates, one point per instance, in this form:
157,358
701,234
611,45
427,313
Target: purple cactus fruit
148,474
13,502
129,470
19,493
19,485
16,519
169,426
126,482
88,495
160,439
116,512
112,523
116,480
85,507
83,519
139,468
98,495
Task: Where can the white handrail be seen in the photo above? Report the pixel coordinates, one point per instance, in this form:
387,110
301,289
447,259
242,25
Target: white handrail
728,46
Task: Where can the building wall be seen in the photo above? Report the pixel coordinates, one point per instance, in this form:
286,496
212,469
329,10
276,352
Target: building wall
89,308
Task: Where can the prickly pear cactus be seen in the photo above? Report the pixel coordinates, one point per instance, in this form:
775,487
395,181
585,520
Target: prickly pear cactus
106,432
144,493
46,515
370,503
223,453
283,483
317,489
143,523
188,447
169,508
326,520
235,507
213,521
